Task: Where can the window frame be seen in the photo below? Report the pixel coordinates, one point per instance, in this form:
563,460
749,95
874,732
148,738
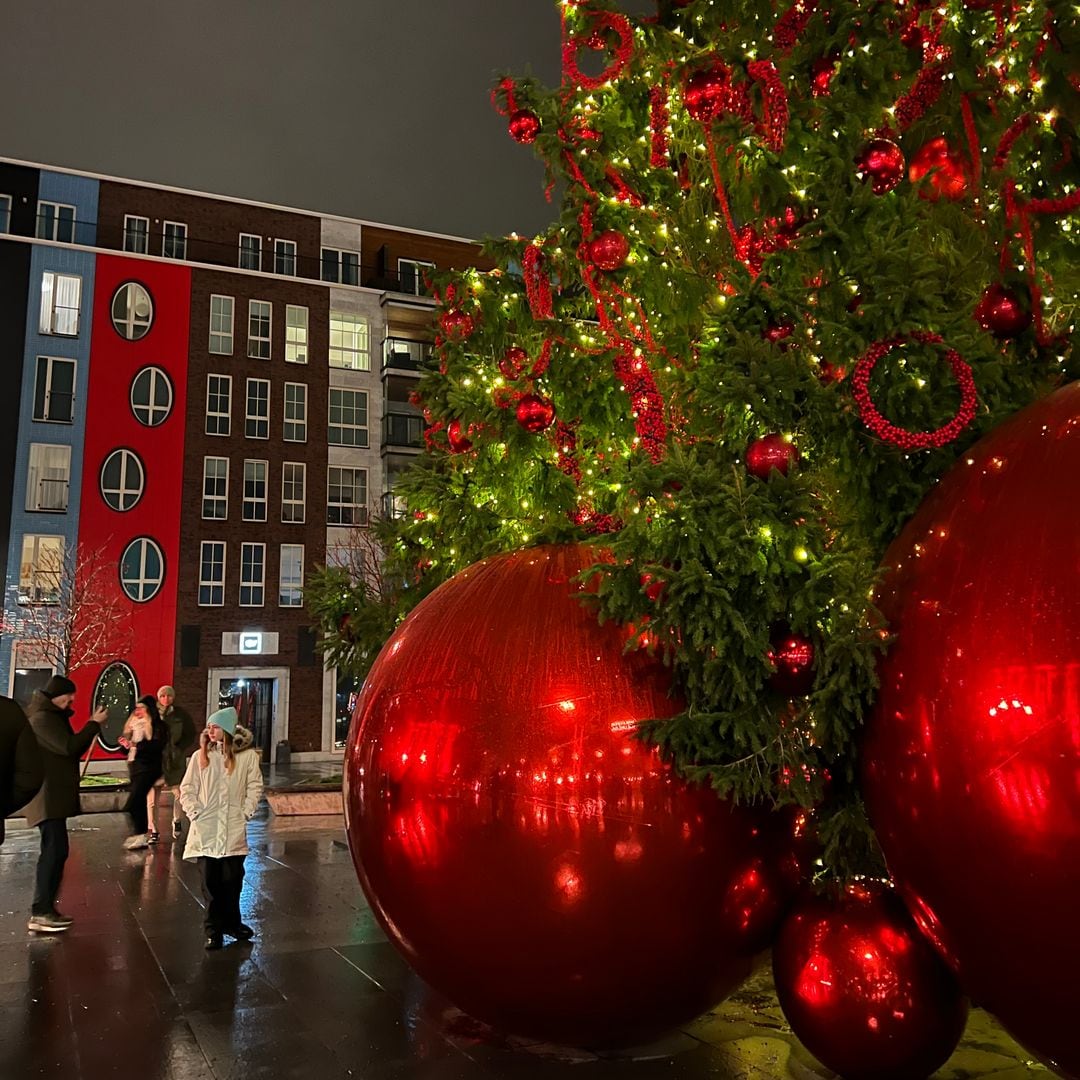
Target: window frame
362,354
155,374
293,501
221,334
362,507
57,207
256,421
254,500
296,344
256,251
341,426
283,257
130,321
250,581
265,342
48,392
418,277
291,405
296,587
35,464
181,225
339,265
219,497
218,415
145,249
6,202
211,583
146,543
126,456
36,572
49,316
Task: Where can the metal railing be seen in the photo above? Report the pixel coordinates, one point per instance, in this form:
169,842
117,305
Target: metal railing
403,354
52,496
403,430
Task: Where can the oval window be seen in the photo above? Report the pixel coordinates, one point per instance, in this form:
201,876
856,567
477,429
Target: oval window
151,396
132,311
116,690
142,569
122,479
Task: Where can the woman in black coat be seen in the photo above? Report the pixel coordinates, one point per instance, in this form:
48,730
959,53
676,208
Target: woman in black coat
145,736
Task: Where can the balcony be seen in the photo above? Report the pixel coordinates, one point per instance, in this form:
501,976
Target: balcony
403,431
402,354
49,496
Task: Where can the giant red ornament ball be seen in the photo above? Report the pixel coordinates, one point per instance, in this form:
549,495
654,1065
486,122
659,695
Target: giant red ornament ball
862,988
456,437
513,362
535,413
972,752
770,452
531,858
951,174
793,657
524,126
706,92
882,162
456,324
1001,311
608,251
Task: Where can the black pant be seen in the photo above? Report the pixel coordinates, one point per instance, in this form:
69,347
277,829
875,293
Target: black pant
142,780
50,864
222,882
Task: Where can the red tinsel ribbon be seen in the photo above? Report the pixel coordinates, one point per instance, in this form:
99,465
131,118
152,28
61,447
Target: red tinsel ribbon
898,436
645,400
791,24
542,361
565,439
537,285
600,20
507,87
972,136
623,191
773,125
658,121
739,241
927,89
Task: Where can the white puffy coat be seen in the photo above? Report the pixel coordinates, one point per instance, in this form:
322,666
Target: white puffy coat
220,804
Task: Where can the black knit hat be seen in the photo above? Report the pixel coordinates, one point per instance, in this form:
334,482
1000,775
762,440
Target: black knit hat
58,685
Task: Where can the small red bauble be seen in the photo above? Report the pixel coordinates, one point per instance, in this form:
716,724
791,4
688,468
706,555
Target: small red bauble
706,93
821,76
952,174
459,442
768,453
1002,312
829,372
456,324
608,251
513,362
652,586
777,332
793,657
535,413
524,126
882,161
862,988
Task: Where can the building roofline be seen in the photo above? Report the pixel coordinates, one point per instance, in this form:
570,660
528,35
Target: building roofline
235,199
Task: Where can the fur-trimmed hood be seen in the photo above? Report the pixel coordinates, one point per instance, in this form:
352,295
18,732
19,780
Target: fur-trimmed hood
242,739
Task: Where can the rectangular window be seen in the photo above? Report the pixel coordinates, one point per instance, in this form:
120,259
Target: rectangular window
285,257
341,266
136,234
212,573
346,496
56,221
259,321
218,404
254,507
54,390
5,213
174,240
41,569
293,483
215,494
221,325
348,421
60,296
48,478
257,416
291,576
295,426
350,345
250,251
296,339
411,275
252,574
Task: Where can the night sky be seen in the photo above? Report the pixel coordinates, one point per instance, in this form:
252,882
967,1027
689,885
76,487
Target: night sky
371,110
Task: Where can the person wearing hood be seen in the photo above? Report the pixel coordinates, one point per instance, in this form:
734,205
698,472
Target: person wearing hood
61,747
220,793
21,768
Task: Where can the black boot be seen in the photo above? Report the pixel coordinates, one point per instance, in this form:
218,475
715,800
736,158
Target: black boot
214,940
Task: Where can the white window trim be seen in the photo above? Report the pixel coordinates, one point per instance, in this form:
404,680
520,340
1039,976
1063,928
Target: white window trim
340,253
240,251
256,418
36,567
227,415
269,337
416,264
284,414
294,343
146,235
57,207
123,492
362,357
48,320
127,326
281,576
223,498
366,428
253,583
142,580
211,584
48,387
220,333
244,500
302,501
36,469
295,256
155,374
164,236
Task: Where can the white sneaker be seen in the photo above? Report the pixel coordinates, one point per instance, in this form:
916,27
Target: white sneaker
133,843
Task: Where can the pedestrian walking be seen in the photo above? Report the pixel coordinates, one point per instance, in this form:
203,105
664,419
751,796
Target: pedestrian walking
61,747
181,739
144,736
220,793
21,768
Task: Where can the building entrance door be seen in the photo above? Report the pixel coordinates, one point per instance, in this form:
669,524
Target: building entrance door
253,700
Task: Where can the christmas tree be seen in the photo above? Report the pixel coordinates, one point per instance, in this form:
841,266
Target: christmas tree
805,256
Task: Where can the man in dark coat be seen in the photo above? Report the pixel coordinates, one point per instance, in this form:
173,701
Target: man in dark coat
58,799
21,768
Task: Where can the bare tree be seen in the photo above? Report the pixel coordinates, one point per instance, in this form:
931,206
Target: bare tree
70,610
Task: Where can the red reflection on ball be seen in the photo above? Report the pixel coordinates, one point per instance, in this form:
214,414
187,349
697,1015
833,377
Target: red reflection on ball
456,324
535,413
524,126
608,251
973,750
883,162
706,93
863,990
456,437
1002,312
513,362
530,857
768,453
793,657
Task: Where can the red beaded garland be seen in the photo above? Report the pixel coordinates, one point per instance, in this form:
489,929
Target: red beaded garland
623,49
898,436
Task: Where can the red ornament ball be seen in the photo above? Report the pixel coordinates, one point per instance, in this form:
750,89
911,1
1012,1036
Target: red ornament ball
862,988
793,657
456,324
608,251
513,362
524,126
706,92
535,413
951,176
1002,312
775,333
882,161
972,752
458,440
532,859
768,453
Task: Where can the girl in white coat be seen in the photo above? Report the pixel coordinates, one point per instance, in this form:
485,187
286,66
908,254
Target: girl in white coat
220,793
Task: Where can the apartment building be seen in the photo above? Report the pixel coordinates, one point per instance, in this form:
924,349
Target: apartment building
205,395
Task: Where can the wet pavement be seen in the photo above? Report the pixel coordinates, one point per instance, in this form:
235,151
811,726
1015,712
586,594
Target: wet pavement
319,993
